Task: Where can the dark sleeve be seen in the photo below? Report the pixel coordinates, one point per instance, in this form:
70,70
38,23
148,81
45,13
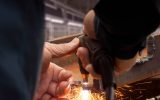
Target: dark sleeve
129,51
125,24
21,42
123,47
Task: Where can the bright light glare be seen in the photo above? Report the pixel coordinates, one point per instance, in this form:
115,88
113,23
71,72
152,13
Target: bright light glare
85,94
54,20
74,24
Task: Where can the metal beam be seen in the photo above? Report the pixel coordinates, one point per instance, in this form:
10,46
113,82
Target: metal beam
143,71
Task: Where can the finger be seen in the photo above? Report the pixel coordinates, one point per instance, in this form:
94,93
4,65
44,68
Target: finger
53,99
44,81
83,55
63,88
58,98
46,96
60,89
52,88
60,74
56,71
64,75
90,69
58,50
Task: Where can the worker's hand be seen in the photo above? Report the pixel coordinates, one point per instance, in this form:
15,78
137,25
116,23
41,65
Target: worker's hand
54,81
83,55
121,66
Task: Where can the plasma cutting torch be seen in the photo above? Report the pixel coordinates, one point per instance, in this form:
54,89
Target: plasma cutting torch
102,63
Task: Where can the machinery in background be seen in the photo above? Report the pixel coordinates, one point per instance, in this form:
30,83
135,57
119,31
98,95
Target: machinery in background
61,20
149,50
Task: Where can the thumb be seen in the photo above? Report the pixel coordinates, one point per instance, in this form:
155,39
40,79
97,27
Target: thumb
91,70
83,54
58,50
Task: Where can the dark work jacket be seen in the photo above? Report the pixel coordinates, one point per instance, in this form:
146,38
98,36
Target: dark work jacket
21,42
123,25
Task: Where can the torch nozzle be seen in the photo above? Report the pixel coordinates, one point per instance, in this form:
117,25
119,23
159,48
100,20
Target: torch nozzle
86,86
85,77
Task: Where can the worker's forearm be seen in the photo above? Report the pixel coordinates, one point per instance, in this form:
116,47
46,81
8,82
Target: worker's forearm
124,65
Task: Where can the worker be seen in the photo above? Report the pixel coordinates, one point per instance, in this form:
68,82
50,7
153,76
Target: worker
21,47
121,27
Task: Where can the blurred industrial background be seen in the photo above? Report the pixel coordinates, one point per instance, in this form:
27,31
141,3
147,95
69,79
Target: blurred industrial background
65,17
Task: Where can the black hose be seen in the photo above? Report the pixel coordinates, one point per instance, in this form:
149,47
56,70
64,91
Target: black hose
103,64
110,93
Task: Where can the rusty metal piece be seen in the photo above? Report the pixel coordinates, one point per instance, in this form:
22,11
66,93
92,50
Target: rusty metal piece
142,71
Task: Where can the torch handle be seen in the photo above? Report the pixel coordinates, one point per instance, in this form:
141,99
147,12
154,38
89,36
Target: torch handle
84,73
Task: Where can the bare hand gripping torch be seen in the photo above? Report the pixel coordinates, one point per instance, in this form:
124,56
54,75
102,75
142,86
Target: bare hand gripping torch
102,63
